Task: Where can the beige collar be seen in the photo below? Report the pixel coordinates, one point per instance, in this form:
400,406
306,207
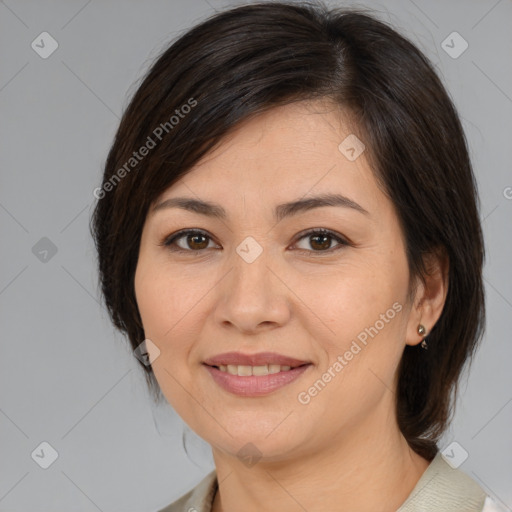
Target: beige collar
440,488
444,489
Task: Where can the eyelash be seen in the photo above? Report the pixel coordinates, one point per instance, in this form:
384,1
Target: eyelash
170,241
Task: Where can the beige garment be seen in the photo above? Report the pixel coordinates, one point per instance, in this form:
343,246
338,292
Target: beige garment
440,489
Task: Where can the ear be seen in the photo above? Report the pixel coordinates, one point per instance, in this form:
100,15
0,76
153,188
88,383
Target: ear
429,297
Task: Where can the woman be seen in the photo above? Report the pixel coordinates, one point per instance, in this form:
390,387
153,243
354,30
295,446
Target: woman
288,227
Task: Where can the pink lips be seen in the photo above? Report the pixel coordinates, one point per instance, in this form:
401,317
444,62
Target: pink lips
254,385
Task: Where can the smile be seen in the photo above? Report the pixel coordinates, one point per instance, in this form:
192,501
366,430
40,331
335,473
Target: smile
247,371
254,381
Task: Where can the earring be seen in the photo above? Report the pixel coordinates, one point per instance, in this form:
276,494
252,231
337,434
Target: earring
422,332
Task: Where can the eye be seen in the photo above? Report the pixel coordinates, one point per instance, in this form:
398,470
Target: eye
321,240
194,240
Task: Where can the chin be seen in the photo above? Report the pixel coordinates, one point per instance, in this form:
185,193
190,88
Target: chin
258,442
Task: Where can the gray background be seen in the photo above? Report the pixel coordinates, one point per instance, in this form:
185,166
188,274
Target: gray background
66,377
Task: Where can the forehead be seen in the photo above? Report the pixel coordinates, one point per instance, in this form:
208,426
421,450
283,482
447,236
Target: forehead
286,133
282,154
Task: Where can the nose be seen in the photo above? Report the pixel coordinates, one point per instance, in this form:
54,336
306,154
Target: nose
252,297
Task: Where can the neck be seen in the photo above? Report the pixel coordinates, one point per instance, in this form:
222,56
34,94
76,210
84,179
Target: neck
371,468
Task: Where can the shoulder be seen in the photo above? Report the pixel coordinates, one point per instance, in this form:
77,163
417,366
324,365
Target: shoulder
198,499
445,489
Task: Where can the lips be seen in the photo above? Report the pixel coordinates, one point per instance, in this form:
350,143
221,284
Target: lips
255,386
260,359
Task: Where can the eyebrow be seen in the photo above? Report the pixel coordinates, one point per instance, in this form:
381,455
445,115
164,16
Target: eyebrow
281,211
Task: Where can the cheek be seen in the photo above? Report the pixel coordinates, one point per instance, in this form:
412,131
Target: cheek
168,309
151,303
164,318
163,300
359,295
366,313
366,310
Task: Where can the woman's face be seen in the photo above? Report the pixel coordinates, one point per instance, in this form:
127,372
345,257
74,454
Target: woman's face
261,280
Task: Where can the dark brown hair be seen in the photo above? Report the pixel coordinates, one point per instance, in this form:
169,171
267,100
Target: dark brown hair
251,58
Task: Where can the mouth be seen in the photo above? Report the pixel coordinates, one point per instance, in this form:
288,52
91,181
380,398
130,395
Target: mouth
254,375
269,359
247,371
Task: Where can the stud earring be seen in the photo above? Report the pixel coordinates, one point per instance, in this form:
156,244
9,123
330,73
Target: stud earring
422,332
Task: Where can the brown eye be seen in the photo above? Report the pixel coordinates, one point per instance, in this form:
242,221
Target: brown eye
196,241
189,240
320,240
